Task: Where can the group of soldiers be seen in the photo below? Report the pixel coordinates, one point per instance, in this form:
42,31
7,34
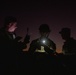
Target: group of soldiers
11,48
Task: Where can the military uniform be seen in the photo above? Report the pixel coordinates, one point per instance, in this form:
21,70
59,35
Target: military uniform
38,46
69,47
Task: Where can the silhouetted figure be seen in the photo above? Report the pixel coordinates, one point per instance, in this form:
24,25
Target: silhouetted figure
10,45
43,44
69,48
42,49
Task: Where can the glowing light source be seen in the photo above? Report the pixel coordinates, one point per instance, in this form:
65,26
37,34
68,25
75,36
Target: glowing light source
43,41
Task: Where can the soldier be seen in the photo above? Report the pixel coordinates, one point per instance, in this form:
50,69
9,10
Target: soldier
69,47
68,50
10,45
42,50
43,44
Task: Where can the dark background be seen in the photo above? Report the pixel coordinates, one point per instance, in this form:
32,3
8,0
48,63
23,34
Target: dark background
57,14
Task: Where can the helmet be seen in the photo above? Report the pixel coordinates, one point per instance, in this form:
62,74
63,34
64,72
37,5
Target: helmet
65,31
9,19
44,28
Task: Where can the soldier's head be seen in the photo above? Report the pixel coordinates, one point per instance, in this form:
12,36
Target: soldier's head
10,23
65,33
44,30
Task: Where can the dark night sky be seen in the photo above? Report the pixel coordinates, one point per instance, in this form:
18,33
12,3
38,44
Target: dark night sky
57,14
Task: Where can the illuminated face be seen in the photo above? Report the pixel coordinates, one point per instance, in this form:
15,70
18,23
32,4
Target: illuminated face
12,26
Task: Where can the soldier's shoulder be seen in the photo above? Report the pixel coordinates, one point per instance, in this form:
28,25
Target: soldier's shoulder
73,40
51,41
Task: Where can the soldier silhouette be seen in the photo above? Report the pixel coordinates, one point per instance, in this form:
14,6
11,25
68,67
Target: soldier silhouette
43,44
68,49
42,50
10,45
